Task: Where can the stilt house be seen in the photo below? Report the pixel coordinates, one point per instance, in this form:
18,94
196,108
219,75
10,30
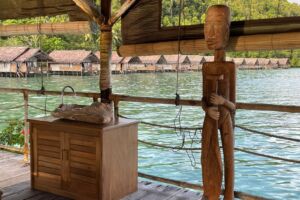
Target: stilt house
72,62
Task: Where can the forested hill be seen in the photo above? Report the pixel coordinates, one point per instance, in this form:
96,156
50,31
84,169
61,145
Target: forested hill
193,12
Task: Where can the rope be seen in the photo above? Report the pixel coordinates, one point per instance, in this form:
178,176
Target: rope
200,128
42,109
268,134
162,126
237,149
12,108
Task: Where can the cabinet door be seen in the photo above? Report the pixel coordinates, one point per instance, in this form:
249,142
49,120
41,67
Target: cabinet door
47,151
84,160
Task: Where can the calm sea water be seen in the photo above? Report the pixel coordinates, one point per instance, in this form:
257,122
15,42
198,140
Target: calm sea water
254,175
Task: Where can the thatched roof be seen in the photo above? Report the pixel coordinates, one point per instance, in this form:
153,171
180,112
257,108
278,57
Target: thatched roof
195,59
126,60
251,61
115,58
208,58
283,61
33,53
9,54
274,61
73,56
150,59
263,61
173,59
239,61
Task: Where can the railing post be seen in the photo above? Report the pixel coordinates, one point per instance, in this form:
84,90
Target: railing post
26,129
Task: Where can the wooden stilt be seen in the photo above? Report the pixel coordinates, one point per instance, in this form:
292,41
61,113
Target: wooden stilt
26,132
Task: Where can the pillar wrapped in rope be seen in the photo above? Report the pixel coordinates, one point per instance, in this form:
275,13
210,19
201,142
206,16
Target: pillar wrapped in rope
105,61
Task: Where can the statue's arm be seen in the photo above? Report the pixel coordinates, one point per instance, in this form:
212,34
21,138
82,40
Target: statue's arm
219,100
228,104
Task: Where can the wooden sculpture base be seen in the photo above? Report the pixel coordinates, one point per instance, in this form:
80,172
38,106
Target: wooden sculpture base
84,161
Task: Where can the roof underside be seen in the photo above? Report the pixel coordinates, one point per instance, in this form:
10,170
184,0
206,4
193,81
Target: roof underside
16,9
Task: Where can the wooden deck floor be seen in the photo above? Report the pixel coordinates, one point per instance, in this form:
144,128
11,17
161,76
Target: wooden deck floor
15,185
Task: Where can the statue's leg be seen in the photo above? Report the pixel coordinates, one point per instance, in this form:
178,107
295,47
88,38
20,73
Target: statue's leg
211,160
227,136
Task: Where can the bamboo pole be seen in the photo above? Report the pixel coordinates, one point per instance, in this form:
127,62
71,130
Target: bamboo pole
278,41
75,28
26,132
105,63
186,102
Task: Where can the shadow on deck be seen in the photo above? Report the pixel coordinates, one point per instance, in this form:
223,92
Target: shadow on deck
15,184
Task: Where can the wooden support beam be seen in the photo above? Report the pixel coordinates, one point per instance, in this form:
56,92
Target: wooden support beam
90,8
75,28
105,52
26,127
278,41
106,10
124,8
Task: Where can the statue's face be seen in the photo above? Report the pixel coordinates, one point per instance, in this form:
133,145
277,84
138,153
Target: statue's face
216,29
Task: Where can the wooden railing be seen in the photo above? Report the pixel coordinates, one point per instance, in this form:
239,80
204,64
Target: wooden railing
116,98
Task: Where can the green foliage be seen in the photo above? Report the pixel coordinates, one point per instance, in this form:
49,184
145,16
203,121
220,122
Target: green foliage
11,135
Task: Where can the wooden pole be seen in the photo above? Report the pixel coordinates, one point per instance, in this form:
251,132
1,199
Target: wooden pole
278,41
105,52
26,132
105,60
75,28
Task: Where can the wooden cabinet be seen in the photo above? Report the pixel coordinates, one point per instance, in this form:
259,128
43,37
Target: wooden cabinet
84,161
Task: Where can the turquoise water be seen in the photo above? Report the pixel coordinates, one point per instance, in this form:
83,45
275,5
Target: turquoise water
254,175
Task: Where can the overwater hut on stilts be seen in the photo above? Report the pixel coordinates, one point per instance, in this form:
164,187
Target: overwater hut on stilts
274,63
264,62
84,161
8,64
284,63
151,63
196,62
182,62
72,62
251,63
33,61
239,62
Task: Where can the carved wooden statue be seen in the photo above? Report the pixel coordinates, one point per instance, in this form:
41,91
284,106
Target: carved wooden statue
219,106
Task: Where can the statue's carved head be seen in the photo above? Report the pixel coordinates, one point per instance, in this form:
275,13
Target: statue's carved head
216,27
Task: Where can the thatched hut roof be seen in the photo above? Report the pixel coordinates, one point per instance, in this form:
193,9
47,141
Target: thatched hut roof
263,61
283,61
33,53
73,56
173,59
115,58
209,58
150,59
274,61
239,61
9,54
251,61
195,59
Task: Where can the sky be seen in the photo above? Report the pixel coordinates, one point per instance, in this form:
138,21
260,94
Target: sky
295,1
